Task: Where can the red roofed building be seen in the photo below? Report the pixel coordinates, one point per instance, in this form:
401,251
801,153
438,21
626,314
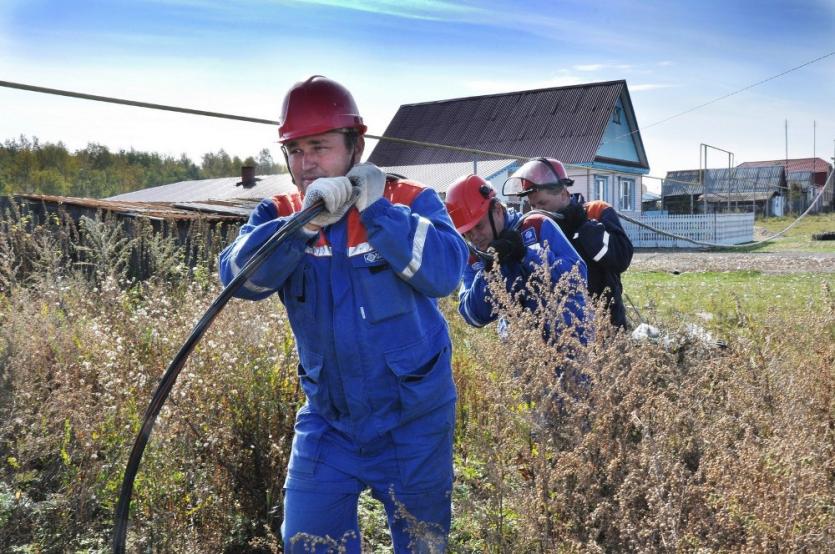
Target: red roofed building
805,177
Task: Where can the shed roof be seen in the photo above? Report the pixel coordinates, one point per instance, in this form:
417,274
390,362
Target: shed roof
216,210
720,197
440,176
794,165
724,180
567,123
224,188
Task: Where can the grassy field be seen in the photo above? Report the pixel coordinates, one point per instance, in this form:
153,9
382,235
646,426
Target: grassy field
798,238
722,298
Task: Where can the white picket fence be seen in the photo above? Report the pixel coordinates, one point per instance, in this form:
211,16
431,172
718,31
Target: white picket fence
734,228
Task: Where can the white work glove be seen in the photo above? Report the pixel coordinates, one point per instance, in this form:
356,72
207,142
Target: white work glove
370,181
337,195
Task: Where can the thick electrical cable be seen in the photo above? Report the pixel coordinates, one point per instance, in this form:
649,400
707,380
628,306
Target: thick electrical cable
170,376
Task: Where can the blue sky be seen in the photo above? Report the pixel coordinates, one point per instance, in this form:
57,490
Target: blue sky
241,57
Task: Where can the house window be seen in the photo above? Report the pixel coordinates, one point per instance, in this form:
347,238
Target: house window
601,184
626,190
616,115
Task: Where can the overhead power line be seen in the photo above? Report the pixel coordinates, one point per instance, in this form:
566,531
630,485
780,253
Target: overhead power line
220,115
135,103
724,96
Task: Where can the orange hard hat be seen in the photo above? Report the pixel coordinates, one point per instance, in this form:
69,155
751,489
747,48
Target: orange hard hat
468,200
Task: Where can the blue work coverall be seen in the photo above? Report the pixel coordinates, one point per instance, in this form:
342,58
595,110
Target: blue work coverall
374,350
474,298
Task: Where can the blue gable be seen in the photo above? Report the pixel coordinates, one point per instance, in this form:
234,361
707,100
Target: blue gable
618,141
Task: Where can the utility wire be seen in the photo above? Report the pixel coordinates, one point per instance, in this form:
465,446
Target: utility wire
744,245
177,109
135,103
724,96
504,155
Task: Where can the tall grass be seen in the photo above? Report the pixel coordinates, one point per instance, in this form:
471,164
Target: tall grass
674,445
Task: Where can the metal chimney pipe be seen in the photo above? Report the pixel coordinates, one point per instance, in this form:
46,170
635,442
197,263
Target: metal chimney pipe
248,179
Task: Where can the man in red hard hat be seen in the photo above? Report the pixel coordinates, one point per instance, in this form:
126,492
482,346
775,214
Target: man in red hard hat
360,285
593,228
517,243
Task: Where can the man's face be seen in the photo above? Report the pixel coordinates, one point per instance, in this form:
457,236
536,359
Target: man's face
549,199
482,234
324,155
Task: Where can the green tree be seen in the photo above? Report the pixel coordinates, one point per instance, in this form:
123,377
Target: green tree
26,165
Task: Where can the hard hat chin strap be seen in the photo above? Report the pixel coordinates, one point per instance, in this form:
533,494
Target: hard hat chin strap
492,220
287,164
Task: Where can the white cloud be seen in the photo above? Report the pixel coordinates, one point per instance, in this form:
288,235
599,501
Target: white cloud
590,67
600,66
410,9
648,86
496,86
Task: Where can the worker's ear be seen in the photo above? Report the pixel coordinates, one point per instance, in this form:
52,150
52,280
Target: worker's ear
498,211
358,150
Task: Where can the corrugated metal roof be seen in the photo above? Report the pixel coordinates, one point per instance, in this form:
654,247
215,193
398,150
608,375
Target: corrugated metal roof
235,210
683,181
440,176
724,180
566,123
737,196
224,188
794,165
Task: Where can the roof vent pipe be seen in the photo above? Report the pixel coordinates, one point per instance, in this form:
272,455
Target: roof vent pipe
248,178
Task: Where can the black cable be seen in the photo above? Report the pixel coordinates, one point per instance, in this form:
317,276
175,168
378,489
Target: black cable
167,382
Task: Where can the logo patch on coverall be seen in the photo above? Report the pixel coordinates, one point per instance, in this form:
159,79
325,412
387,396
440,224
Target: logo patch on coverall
529,236
373,256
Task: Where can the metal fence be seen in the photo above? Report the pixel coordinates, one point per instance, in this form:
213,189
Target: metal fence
732,228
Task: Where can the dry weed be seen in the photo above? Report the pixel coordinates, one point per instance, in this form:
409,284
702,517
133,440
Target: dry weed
613,446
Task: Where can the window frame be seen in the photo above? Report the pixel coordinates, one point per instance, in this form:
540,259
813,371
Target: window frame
626,194
601,188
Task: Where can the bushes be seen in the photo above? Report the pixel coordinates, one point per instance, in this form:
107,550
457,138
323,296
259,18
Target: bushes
675,446
81,365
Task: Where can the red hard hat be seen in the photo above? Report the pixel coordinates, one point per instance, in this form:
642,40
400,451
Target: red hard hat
317,106
468,200
540,173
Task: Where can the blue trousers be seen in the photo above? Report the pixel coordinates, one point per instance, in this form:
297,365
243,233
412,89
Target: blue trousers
409,470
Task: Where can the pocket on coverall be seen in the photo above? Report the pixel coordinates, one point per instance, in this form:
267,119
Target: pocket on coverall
423,374
385,294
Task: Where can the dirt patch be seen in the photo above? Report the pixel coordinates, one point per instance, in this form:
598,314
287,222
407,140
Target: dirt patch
766,262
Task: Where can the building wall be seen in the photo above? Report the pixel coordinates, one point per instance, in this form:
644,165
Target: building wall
600,185
618,140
